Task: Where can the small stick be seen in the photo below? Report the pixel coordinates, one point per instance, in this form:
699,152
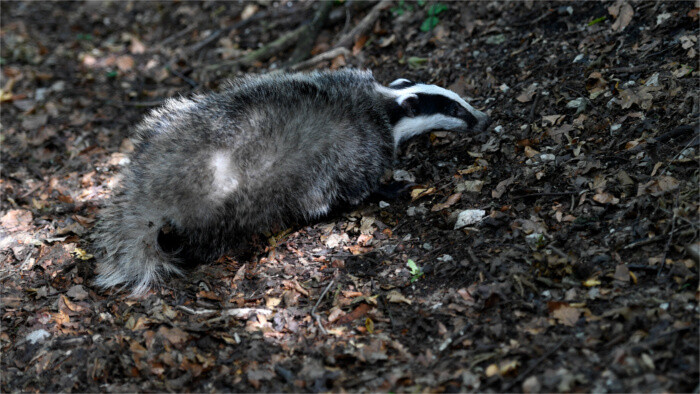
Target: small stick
670,236
313,311
322,57
306,42
533,366
182,76
177,35
364,25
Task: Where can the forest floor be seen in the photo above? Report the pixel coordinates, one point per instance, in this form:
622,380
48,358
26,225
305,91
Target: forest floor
581,275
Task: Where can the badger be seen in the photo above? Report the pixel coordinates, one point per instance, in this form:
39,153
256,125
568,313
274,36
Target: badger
265,151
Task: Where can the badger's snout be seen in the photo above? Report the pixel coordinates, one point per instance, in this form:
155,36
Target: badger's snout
483,121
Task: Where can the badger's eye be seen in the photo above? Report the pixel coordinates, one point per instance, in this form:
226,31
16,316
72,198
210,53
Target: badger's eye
458,111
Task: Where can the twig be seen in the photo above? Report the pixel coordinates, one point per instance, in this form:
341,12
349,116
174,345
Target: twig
244,313
182,76
191,311
364,25
534,21
532,366
538,98
178,35
266,51
658,238
222,32
552,194
151,103
663,138
385,303
313,311
306,42
328,55
670,236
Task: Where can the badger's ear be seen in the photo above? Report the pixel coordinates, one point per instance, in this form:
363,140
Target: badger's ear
409,104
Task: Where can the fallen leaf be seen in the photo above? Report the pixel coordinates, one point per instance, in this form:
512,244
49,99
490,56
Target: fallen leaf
419,193
507,367
33,122
272,302
469,217
640,95
369,325
530,152
474,186
71,305
605,198
359,44
567,315
357,313
491,370
591,282
16,220
396,297
501,187
527,94
451,200
622,273
77,293
659,186
174,335
682,71
552,120
623,13
136,46
125,63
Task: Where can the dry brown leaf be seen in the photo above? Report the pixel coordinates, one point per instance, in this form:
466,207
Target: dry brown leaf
396,297
622,273
418,193
174,335
530,152
552,119
357,313
567,315
527,94
136,46
605,198
501,187
659,186
125,63
640,95
71,305
623,13
451,200
16,220
359,43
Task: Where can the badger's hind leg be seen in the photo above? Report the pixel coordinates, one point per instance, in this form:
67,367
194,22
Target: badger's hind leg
125,243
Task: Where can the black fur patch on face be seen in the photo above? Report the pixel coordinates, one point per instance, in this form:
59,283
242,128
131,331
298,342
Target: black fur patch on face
431,104
395,112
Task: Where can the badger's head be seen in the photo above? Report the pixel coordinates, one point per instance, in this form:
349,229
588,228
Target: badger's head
417,108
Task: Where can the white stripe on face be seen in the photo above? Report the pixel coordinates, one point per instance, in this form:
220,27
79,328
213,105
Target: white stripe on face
409,127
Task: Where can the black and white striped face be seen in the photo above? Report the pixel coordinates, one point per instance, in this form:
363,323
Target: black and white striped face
422,108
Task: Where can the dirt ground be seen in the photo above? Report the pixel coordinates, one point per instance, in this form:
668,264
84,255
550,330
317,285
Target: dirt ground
580,274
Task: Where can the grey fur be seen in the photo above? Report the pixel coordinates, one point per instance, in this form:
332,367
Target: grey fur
266,151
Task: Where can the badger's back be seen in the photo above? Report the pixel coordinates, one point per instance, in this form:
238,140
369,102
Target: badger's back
264,151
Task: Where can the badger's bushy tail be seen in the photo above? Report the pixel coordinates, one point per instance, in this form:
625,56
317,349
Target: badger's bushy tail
126,246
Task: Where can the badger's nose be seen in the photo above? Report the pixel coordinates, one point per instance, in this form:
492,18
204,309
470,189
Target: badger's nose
484,121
